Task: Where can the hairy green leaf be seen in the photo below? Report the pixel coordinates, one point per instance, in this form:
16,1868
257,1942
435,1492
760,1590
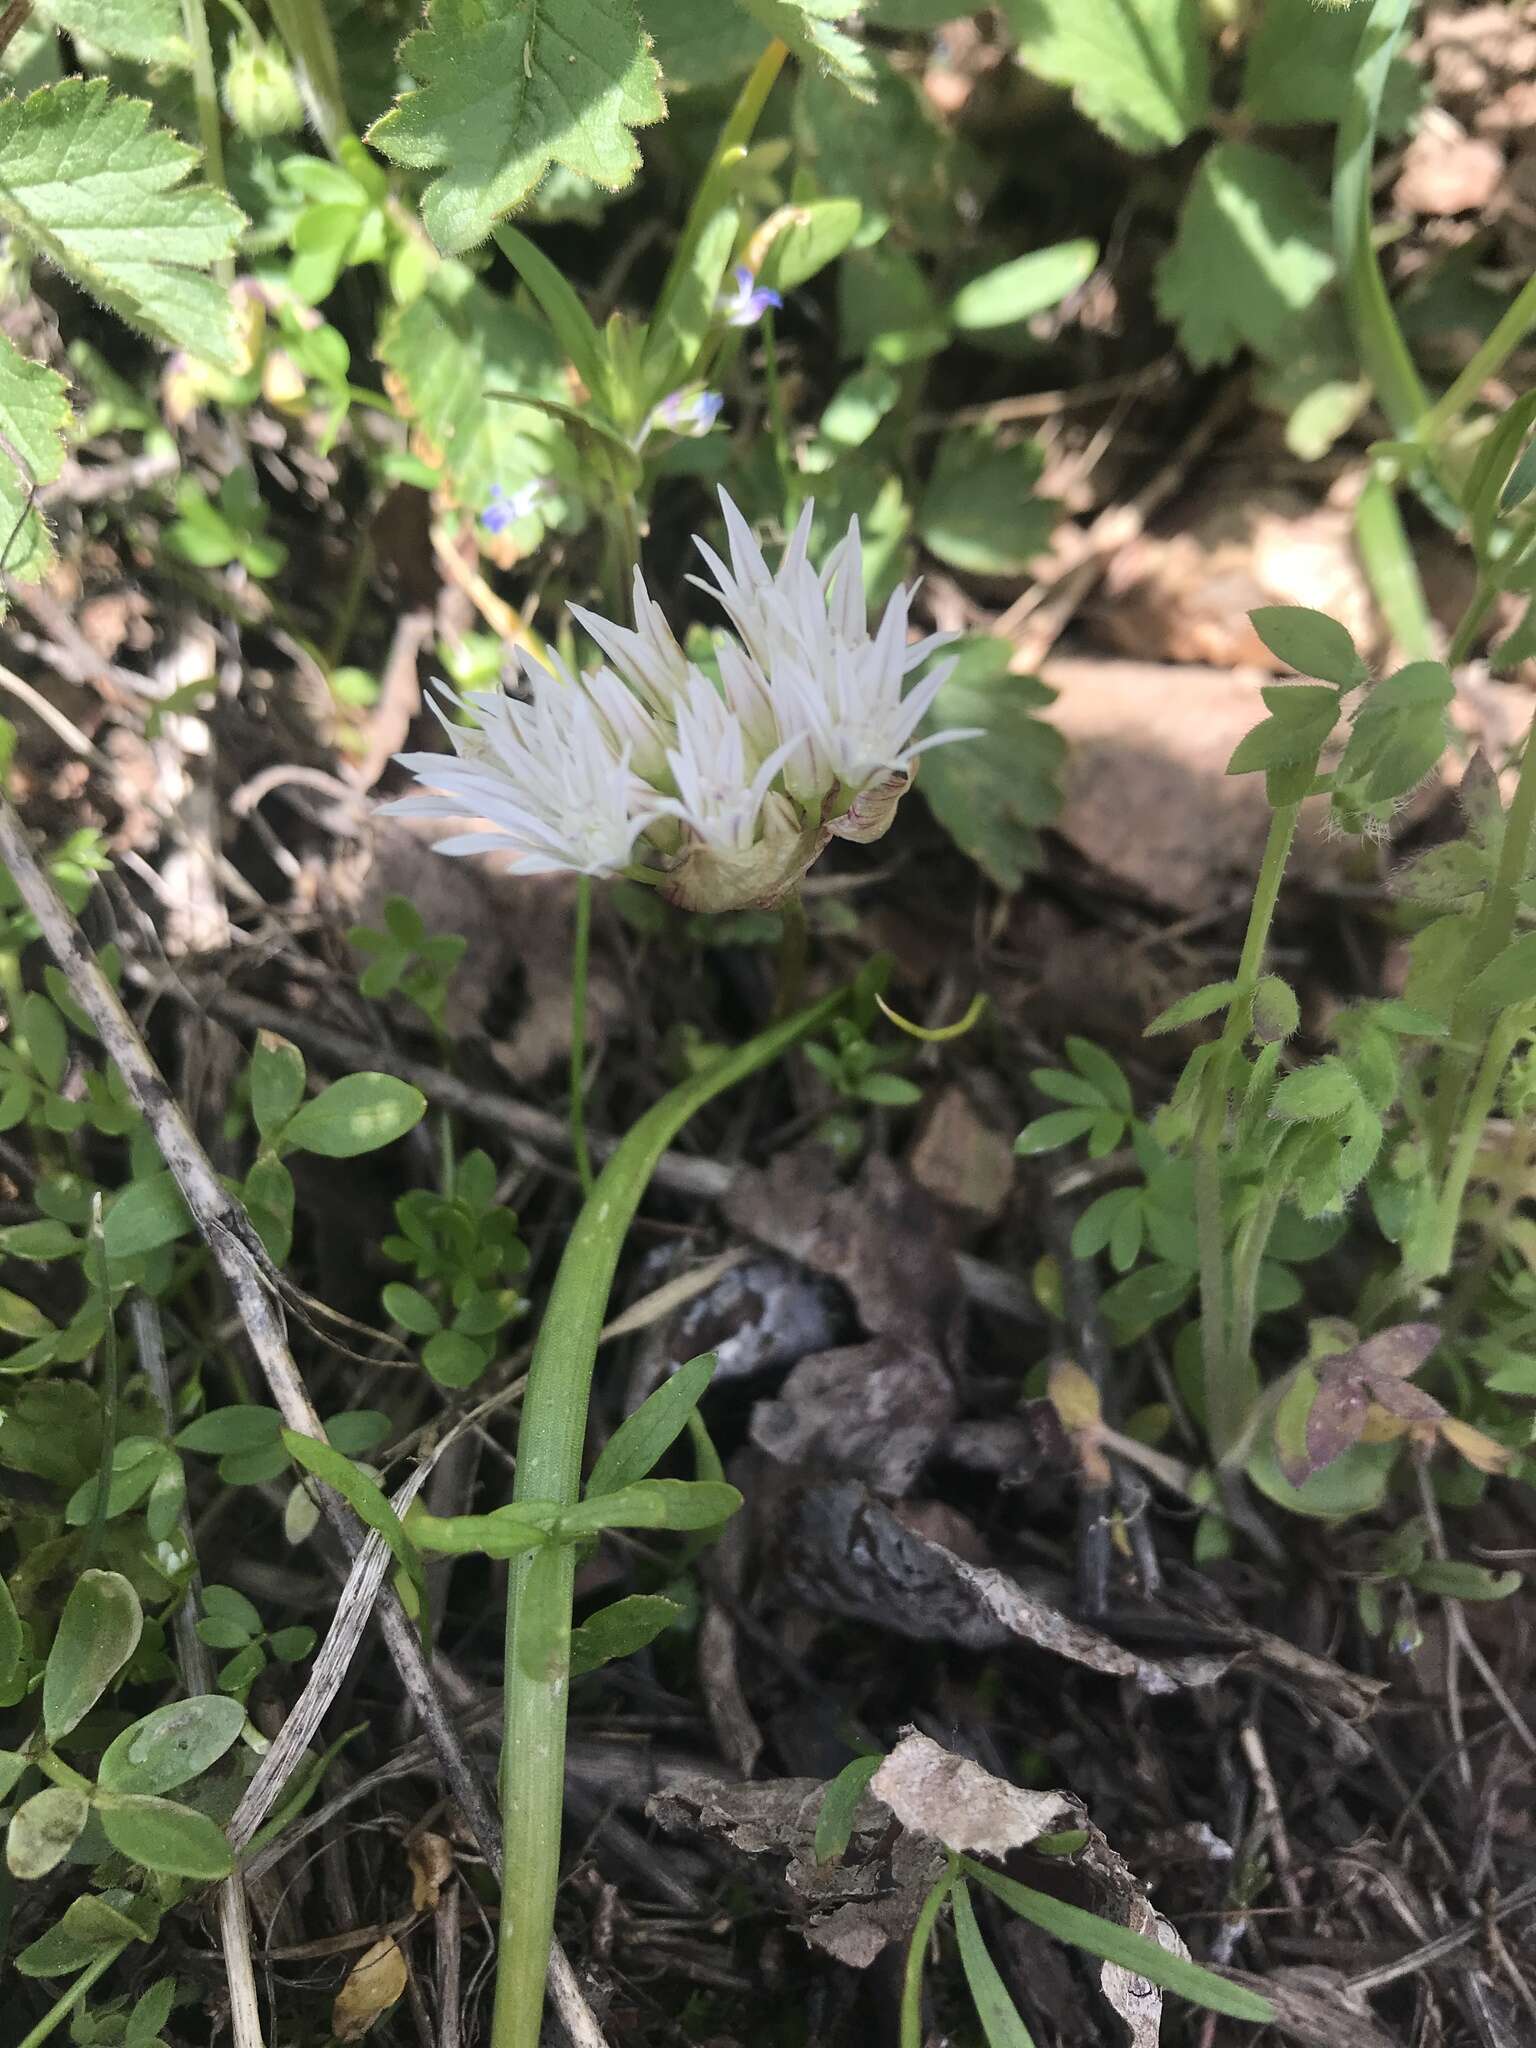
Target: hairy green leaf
87,182
993,794
148,30
34,416
1138,68
1252,253
509,87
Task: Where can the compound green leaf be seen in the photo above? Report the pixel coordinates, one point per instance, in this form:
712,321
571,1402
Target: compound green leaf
1253,251
88,183
34,415
1138,68
509,87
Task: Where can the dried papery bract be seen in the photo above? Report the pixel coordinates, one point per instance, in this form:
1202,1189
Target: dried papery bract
720,792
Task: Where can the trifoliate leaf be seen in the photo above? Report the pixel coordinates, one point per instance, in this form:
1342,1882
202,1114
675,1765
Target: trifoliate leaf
442,353
1252,252
34,413
87,182
1137,68
509,87
993,794
148,30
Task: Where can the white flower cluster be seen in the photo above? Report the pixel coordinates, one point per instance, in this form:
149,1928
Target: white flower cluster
725,792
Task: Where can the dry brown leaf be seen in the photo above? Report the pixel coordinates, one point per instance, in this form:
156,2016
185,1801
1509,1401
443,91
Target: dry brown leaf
874,1411
962,1161
934,1792
375,1982
431,1860
846,1553
852,1907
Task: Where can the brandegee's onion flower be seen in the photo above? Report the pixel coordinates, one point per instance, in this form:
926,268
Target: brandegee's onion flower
721,794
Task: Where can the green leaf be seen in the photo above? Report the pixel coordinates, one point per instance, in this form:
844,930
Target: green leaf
893,1091
34,418
1310,642
1101,1219
1097,1066
560,306
43,1240
147,1215
1276,1012
995,2009
21,1318
87,1926
887,150
1252,253
1137,68
1509,977
811,31
618,1631
1057,1128
642,1439
455,1360
504,1534
14,1763
993,794
1028,285
148,30
1299,63
364,1496
817,235
1200,1002
98,1632
277,1082
11,1642
1315,1094
43,1830
980,513
86,181
652,1504
222,1430
1452,1580
41,1030
410,1308
360,1113
509,87
443,352
150,2012
1115,1944
165,1836
171,1746
840,1806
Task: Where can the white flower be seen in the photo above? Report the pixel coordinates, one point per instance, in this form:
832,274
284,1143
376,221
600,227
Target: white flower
554,787
727,791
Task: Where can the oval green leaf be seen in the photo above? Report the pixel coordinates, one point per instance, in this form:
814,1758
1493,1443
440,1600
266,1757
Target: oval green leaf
98,1632
43,1831
172,1745
164,1836
358,1114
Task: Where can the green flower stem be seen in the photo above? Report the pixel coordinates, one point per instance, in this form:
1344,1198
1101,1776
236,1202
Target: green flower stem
1491,934
194,23
306,31
61,2009
581,946
554,1426
734,136
1506,337
1231,1380
1502,1041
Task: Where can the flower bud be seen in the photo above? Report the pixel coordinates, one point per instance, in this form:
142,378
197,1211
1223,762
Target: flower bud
261,95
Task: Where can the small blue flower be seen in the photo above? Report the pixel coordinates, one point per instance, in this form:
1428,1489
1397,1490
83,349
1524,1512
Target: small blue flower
690,412
745,306
506,508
